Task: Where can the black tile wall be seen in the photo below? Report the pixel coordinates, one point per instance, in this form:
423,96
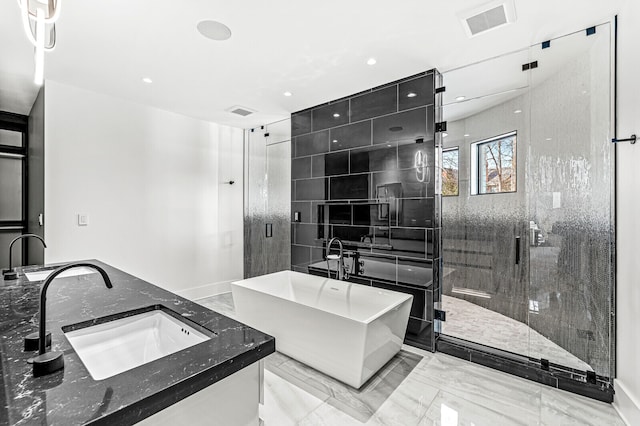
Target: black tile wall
300,123
350,187
332,115
351,136
363,170
311,189
404,126
374,104
416,92
374,159
314,143
331,164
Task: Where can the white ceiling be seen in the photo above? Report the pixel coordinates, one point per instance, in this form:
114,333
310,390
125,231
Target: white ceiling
316,50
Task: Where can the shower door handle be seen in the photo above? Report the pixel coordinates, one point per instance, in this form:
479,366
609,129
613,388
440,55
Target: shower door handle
517,250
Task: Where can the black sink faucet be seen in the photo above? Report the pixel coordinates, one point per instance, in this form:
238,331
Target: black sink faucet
10,274
49,362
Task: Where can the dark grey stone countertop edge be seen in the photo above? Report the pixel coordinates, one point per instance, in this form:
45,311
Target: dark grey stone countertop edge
71,396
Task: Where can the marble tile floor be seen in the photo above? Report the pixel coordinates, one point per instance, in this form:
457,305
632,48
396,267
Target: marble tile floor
415,388
469,321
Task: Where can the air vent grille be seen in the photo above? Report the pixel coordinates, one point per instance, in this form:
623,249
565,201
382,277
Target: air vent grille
488,17
485,21
241,111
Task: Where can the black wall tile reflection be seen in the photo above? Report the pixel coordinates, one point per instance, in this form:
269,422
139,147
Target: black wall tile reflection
416,92
301,168
314,143
409,181
372,186
300,255
418,308
350,187
351,136
311,189
374,159
331,164
415,272
416,155
305,234
300,123
408,242
351,233
338,214
403,126
374,104
416,212
331,115
371,214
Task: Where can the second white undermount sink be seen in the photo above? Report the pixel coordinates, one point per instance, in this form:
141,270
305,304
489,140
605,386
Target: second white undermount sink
42,275
116,346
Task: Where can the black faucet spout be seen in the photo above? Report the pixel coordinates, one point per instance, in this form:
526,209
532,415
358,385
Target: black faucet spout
49,362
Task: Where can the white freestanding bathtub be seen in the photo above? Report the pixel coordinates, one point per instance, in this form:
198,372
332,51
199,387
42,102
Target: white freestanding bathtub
348,331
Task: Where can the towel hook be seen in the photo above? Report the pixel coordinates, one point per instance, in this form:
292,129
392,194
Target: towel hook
632,139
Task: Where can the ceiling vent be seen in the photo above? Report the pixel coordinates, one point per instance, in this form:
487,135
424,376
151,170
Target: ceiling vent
487,17
241,111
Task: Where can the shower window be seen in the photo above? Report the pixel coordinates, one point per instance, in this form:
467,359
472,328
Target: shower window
494,161
450,172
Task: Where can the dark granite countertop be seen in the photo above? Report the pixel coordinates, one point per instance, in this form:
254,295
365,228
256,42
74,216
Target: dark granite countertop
71,396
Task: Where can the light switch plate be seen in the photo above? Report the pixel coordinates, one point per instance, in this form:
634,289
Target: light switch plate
83,219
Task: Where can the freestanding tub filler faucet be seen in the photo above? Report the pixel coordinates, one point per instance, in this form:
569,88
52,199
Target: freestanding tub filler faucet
342,274
50,362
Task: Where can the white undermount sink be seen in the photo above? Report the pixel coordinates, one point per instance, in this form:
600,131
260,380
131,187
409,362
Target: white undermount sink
116,346
42,275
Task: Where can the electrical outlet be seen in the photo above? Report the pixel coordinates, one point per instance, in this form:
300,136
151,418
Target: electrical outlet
83,219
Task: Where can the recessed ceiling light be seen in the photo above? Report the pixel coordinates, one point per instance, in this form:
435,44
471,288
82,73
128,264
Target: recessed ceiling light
335,141
214,30
389,145
518,111
411,95
460,98
466,135
147,80
548,139
287,93
371,61
336,115
444,135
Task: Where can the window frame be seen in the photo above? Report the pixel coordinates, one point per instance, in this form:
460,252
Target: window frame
444,150
475,163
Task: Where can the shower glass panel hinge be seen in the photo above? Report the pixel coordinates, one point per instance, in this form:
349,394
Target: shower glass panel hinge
530,66
441,89
441,126
440,315
269,230
544,364
591,377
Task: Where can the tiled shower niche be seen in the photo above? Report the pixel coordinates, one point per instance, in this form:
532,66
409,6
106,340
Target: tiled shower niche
363,169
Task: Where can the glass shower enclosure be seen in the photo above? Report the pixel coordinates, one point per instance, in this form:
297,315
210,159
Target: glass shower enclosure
267,199
528,191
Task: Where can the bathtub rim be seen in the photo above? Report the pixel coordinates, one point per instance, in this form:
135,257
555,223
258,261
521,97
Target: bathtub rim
404,296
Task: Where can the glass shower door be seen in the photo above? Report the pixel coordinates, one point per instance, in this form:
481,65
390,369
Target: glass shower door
267,199
569,186
485,277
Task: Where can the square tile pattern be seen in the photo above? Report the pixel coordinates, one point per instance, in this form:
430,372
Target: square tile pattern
416,388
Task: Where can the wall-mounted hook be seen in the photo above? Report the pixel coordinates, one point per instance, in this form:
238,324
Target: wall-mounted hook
632,139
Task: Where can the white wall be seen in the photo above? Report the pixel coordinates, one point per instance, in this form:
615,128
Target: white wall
151,182
627,384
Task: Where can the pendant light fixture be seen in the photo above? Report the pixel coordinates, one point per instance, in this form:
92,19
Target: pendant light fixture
38,20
